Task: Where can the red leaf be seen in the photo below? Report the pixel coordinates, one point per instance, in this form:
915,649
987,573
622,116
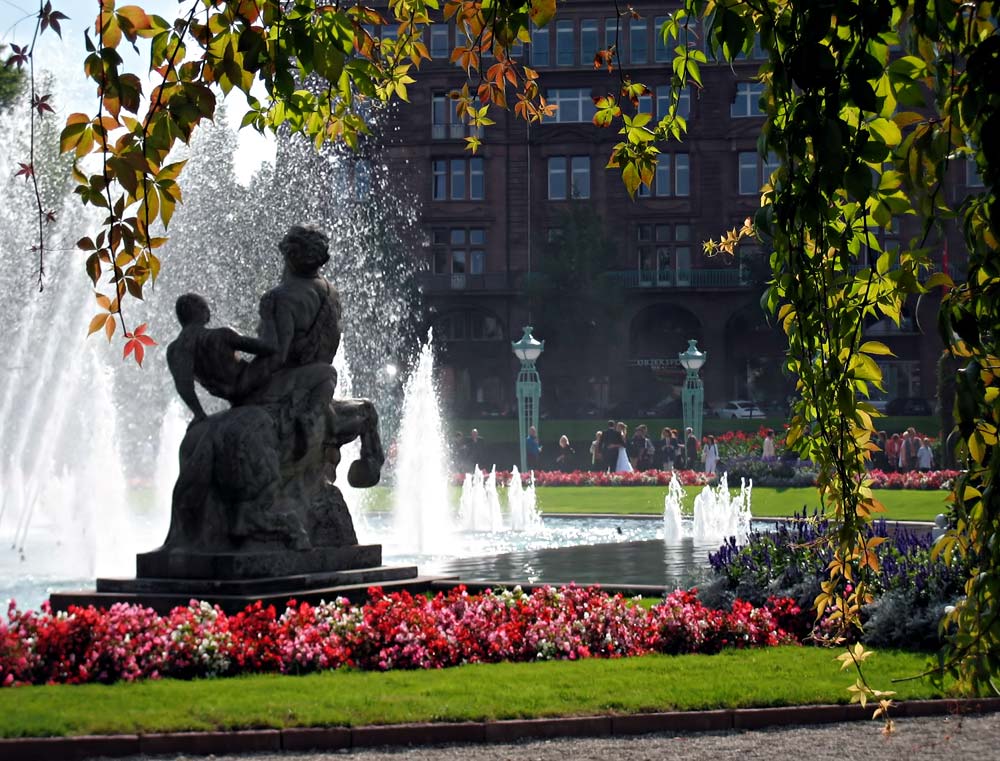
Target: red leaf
26,170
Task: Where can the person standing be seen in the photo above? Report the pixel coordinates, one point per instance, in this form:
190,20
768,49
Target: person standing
532,449
597,452
690,448
566,456
474,450
767,454
611,442
905,461
711,453
664,457
892,452
925,456
623,465
642,449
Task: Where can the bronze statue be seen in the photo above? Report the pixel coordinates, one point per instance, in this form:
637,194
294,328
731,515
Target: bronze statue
260,475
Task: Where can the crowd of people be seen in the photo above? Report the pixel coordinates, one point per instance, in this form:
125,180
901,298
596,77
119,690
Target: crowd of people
614,449
903,452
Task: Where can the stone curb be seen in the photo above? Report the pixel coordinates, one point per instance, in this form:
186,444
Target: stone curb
401,735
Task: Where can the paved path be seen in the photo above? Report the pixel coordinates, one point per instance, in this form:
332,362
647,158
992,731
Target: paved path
976,738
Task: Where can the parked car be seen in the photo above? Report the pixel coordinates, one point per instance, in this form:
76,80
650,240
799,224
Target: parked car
909,405
739,410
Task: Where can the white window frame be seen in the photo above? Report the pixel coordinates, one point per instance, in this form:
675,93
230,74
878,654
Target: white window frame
746,103
574,104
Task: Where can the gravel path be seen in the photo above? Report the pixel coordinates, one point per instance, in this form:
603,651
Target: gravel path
930,739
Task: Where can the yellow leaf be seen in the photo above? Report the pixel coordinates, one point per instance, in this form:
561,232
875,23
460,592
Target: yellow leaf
97,322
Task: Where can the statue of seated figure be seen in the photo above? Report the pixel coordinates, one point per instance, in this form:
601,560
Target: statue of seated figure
259,476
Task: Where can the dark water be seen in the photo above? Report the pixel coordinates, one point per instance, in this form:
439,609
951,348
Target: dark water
649,562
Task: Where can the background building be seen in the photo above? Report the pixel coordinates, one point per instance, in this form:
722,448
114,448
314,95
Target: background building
508,231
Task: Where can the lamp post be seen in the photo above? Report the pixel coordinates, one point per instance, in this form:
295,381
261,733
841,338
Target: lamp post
693,394
529,387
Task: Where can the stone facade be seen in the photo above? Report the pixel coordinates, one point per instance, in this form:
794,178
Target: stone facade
488,219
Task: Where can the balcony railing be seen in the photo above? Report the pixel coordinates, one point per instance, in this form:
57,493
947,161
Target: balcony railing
682,278
454,131
488,281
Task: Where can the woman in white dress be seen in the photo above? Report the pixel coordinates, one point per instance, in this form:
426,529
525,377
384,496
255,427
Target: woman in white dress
711,455
623,465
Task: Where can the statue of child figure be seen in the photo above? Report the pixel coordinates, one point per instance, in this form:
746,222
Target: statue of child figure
208,355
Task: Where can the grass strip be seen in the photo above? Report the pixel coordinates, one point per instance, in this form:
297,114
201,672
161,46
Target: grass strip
901,504
732,679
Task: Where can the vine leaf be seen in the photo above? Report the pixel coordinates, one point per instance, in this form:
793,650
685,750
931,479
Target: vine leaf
137,343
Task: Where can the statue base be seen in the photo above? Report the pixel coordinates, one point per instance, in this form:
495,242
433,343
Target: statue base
167,579
254,564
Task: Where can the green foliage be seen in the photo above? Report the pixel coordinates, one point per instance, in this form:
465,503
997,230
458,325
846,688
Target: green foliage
839,84
11,82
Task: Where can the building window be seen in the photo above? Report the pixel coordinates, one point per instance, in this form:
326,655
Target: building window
638,41
440,44
580,166
662,52
755,171
557,178
445,123
540,47
663,102
459,250
588,41
439,182
468,325
458,179
610,33
565,44
673,177
574,104
663,253
747,101
973,179
569,177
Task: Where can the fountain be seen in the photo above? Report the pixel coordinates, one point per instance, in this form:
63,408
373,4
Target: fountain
421,506
524,515
717,514
111,434
479,504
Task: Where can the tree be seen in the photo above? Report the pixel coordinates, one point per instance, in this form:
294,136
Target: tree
11,82
574,303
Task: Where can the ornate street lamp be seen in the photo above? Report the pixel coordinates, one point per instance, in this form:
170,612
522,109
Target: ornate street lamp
529,387
693,394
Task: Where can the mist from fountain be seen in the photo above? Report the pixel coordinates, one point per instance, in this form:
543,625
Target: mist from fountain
422,513
717,513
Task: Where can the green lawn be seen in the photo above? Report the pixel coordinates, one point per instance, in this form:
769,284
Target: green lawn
772,677
902,505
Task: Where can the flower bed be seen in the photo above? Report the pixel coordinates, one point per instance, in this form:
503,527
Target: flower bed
390,631
791,561
762,474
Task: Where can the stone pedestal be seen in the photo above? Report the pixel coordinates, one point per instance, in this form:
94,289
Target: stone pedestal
169,578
